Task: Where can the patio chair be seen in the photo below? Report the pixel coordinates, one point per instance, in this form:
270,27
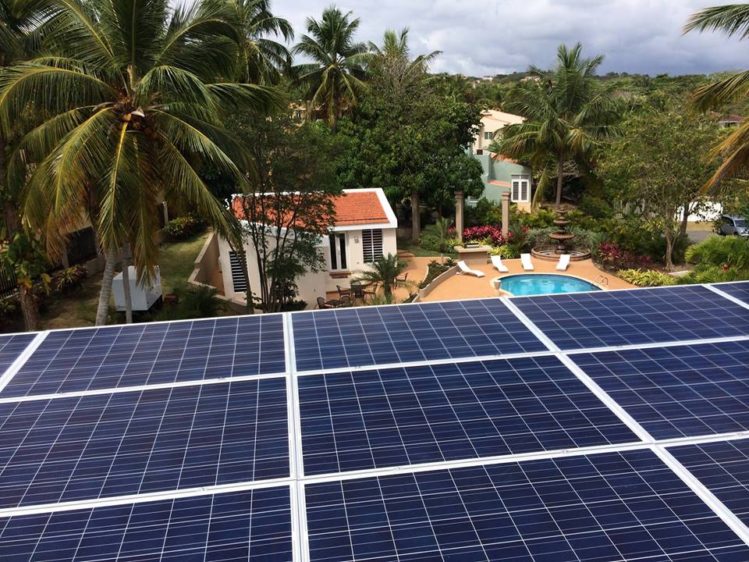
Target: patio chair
322,304
525,259
564,262
465,270
403,280
344,301
343,292
498,265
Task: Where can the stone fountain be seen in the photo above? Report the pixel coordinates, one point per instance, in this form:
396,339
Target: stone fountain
560,242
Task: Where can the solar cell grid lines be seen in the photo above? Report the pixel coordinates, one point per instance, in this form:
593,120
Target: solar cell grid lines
680,391
107,445
76,360
11,347
609,506
642,316
373,419
253,525
739,290
723,467
368,336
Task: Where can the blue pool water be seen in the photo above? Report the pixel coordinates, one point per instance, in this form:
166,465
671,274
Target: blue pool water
539,284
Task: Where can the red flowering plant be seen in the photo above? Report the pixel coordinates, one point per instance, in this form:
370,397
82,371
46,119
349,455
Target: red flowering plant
614,257
487,234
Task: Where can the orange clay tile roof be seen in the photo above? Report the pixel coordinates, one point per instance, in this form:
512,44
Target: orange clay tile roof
500,183
351,208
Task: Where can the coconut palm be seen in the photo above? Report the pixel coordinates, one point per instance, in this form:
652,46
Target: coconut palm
733,20
566,112
262,59
385,271
129,103
334,77
392,60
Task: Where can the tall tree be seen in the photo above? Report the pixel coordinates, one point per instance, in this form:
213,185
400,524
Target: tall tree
262,57
129,103
333,80
393,60
567,112
18,40
658,166
732,19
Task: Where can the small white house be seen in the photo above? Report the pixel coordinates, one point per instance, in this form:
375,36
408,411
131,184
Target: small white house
365,229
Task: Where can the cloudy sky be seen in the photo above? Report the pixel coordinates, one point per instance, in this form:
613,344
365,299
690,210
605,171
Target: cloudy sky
486,37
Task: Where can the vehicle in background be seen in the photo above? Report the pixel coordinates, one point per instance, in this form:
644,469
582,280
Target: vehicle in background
733,225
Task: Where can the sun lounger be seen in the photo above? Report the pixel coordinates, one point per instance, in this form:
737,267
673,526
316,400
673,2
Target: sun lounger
564,262
525,259
498,265
463,266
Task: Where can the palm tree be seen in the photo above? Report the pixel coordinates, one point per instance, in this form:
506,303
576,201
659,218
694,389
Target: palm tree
393,63
385,271
129,104
262,59
732,19
566,113
334,78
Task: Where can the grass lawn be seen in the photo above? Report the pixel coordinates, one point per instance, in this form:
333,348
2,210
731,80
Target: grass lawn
79,308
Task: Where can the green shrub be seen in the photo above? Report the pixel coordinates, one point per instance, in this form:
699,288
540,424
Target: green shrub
646,277
485,212
183,228
540,218
65,280
720,251
507,252
434,270
193,302
595,207
714,274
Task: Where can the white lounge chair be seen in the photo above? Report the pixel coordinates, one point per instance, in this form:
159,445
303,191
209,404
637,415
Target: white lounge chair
564,262
463,266
525,259
498,265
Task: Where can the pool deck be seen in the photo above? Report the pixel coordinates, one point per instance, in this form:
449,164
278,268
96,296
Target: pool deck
467,287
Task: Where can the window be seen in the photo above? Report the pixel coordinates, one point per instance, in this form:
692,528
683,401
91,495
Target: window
338,252
372,242
238,269
521,189
488,136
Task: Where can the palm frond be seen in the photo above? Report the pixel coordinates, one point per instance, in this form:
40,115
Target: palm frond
722,91
732,19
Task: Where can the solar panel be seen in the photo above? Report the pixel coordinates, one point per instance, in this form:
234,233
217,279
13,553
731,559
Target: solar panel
11,347
446,412
354,337
722,467
252,525
738,290
124,443
75,360
612,318
679,391
610,506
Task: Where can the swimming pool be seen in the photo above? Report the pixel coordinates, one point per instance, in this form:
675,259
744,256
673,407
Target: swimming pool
540,284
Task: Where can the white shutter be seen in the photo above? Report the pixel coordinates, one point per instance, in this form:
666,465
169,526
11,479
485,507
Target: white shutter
238,268
372,243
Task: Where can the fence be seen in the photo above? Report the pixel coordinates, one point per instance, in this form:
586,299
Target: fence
7,283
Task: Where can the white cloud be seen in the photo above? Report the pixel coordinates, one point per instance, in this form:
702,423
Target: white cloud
481,37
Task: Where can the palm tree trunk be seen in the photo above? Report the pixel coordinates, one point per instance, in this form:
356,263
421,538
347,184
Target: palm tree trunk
560,179
29,309
126,285
106,287
415,217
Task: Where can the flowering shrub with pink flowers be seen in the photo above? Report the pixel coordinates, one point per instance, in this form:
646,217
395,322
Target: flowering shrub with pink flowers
614,257
487,234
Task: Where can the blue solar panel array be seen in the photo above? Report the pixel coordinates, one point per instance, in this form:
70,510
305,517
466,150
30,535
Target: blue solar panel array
681,391
103,445
253,525
609,506
11,347
112,357
374,419
723,467
355,337
739,290
613,318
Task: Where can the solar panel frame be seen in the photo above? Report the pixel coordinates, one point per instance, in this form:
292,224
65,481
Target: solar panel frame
677,391
155,353
370,336
436,413
127,443
246,525
634,317
617,505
